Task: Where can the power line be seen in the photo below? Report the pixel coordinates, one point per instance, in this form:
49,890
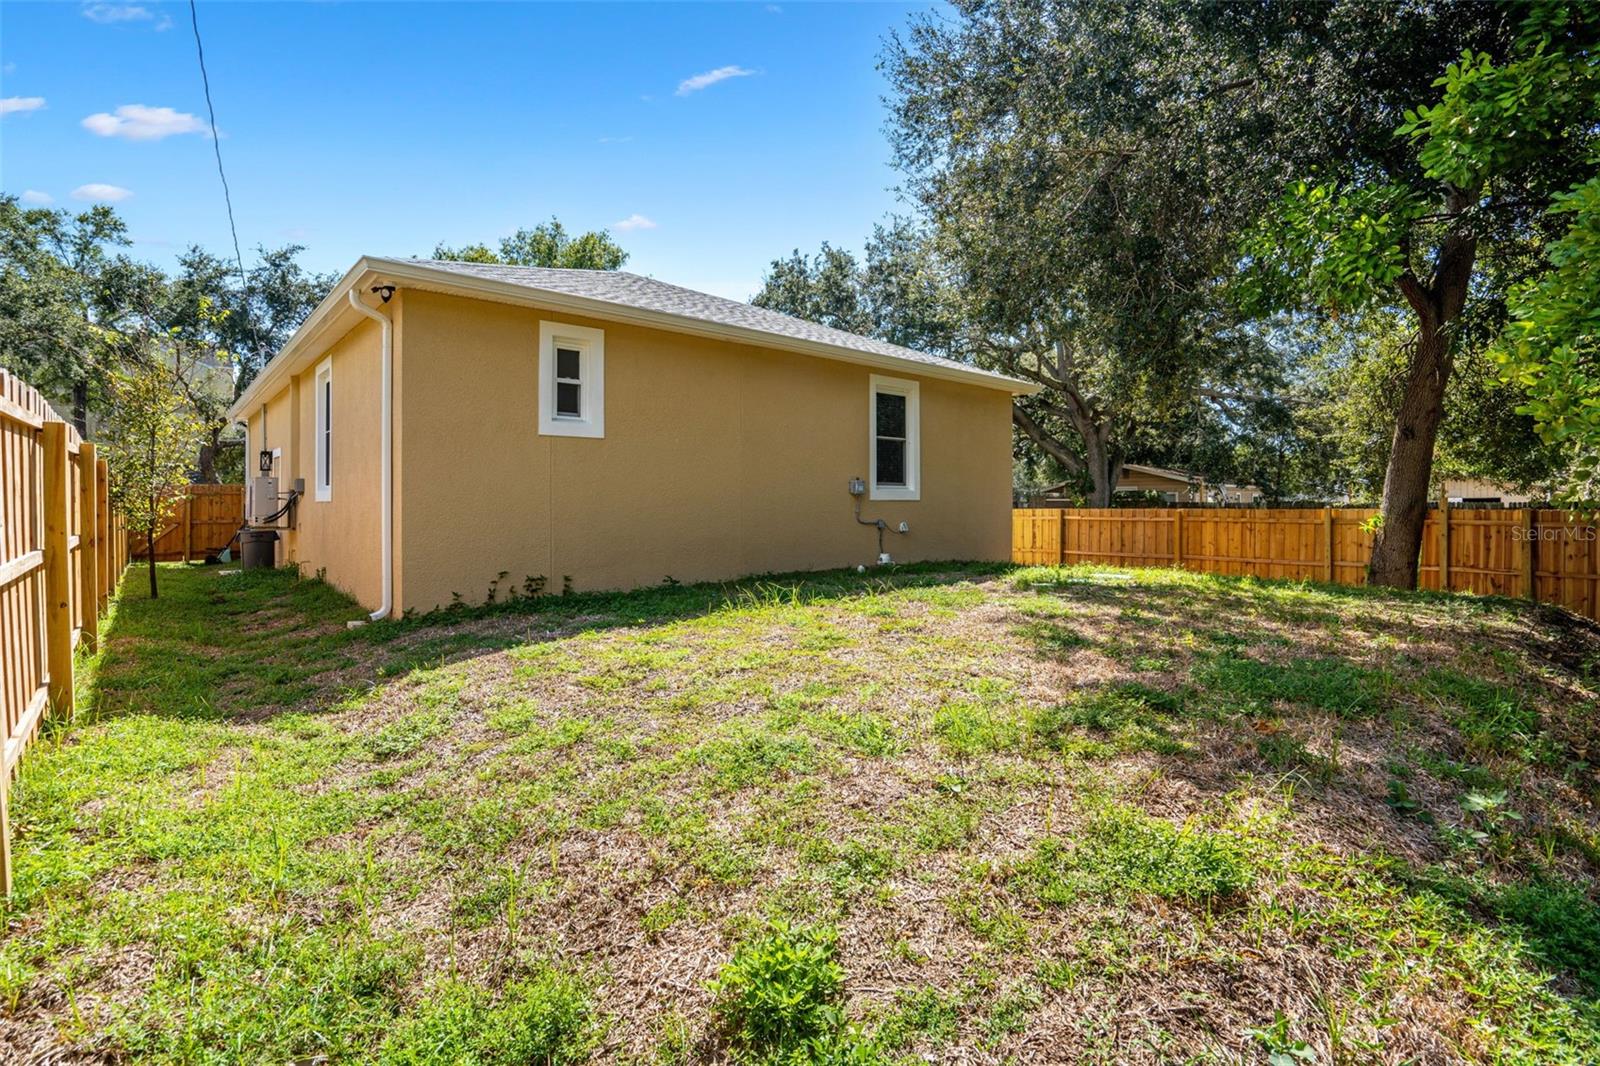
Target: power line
227,197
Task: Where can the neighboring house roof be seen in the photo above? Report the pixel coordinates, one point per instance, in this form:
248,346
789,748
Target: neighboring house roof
614,295
1156,471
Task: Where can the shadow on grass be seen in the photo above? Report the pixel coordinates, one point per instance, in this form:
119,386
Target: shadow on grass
220,643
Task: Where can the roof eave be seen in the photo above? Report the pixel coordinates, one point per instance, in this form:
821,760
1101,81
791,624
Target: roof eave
334,310
510,292
328,315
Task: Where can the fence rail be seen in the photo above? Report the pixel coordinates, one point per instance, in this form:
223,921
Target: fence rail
1538,554
61,554
202,525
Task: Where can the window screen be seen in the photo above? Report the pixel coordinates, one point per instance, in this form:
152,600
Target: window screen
891,438
569,383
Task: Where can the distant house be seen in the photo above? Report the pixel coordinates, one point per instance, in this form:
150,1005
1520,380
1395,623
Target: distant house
456,427
1175,486
1469,491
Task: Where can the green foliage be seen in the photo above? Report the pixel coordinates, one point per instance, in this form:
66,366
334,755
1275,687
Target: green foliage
780,997
1088,169
1327,684
1131,716
546,245
1542,102
1122,850
545,1019
967,728
1342,246
1283,1048
902,292
1551,348
59,293
151,438
1496,719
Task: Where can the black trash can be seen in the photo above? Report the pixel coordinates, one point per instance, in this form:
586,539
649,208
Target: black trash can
257,548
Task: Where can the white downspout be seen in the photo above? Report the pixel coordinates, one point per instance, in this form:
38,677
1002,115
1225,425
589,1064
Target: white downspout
385,454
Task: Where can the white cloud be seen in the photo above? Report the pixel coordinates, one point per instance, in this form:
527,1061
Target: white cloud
136,122
108,13
101,192
633,222
613,140
37,198
14,104
711,77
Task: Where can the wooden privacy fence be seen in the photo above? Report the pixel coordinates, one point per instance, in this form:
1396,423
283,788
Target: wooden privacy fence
1543,555
61,553
203,523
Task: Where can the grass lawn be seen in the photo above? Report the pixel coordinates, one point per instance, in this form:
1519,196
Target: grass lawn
951,814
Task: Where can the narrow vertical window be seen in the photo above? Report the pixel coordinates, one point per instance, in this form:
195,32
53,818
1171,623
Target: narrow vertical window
571,384
895,456
324,435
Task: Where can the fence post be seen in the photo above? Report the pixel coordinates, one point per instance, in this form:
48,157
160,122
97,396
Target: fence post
1530,554
1327,544
89,545
1061,538
1444,541
57,583
1177,538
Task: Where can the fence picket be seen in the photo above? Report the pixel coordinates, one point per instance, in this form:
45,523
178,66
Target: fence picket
1549,556
56,572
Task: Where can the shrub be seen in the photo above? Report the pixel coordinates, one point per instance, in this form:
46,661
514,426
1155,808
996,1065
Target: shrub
779,999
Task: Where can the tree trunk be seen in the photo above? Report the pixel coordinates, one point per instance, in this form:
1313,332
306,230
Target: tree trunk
1398,544
80,408
206,469
1104,459
1105,468
155,520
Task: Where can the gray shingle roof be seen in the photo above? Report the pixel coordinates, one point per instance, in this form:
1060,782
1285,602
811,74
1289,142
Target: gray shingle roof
647,294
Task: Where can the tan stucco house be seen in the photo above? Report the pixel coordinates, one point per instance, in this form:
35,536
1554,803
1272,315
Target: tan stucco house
458,426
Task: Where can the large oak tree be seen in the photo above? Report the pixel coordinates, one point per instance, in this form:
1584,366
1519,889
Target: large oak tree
1088,167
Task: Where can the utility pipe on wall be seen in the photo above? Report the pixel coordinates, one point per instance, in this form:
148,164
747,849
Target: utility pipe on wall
385,454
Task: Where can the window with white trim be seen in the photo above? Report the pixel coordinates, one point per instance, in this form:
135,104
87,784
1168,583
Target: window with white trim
572,362
895,455
323,441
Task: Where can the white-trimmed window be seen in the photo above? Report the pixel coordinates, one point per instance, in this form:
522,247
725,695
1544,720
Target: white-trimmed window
572,380
895,431
324,438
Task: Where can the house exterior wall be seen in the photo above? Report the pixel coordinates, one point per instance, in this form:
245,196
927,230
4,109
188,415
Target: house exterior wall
338,536
719,459
1479,490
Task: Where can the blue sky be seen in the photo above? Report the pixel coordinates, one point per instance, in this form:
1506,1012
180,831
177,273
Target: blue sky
728,134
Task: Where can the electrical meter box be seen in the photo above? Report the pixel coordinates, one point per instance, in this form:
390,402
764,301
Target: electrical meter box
263,500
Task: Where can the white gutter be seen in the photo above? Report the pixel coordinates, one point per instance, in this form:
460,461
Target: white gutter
385,453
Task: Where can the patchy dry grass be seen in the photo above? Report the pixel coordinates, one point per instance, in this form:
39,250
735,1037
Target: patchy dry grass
946,814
